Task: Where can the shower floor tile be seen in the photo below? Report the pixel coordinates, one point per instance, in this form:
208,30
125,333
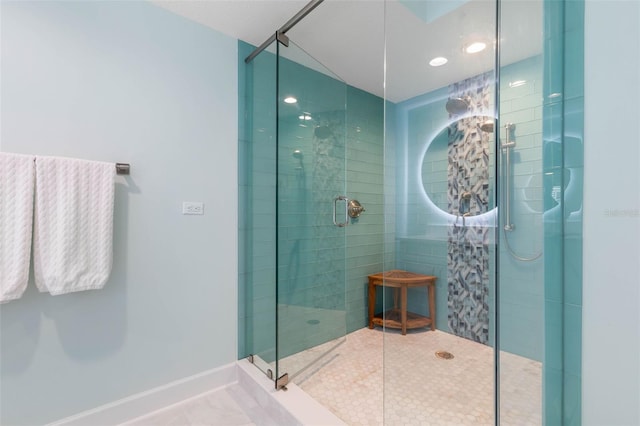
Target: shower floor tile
419,388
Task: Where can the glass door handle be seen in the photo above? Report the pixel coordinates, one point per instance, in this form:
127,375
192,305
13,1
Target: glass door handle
346,211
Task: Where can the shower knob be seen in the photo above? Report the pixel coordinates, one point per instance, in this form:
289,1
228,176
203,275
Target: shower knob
355,208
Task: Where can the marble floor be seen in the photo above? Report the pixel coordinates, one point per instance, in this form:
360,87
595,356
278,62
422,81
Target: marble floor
226,406
419,388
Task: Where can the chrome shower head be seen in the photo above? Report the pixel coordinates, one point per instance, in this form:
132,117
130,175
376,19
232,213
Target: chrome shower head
487,126
457,105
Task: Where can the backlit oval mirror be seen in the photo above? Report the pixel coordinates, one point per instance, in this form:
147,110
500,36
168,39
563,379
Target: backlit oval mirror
455,169
435,176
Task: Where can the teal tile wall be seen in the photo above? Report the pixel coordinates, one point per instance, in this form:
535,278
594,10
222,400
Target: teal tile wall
426,256
521,282
563,165
365,183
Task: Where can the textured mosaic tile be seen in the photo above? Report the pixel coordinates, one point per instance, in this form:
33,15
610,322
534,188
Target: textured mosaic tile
468,194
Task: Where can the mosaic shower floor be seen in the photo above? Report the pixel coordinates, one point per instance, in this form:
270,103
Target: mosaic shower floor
419,388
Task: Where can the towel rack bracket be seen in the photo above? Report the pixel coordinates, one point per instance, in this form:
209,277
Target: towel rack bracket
123,168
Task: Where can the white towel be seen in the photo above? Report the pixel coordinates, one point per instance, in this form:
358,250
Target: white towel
16,215
73,230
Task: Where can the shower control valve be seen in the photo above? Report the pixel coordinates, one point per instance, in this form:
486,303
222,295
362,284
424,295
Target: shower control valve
355,209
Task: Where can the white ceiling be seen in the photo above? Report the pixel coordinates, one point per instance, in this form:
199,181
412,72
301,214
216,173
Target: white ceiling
349,37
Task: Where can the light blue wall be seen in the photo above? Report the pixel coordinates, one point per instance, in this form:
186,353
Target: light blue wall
124,81
611,384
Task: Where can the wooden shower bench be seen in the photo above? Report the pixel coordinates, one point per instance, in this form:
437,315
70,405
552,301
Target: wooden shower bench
400,318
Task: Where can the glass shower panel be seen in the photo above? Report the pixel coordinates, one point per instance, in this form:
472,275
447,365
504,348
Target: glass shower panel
521,325
441,82
257,209
311,306
540,258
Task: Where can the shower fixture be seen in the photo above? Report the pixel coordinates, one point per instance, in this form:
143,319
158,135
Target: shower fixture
506,147
457,105
355,209
464,204
487,126
322,132
297,154
352,209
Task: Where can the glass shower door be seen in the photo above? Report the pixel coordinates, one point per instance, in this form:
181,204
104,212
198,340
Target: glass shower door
311,212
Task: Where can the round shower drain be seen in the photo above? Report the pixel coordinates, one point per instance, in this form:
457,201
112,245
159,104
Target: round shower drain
313,322
444,355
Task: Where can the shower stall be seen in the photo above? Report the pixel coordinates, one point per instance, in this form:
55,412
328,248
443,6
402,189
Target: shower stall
461,169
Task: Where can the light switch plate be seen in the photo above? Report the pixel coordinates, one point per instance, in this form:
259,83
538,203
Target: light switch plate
192,207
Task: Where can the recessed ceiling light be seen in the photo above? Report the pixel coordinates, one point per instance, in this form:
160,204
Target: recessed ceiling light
517,83
476,47
305,117
439,61
290,100
555,95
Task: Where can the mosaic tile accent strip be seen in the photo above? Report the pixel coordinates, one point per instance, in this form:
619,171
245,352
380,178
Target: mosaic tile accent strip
468,195
329,175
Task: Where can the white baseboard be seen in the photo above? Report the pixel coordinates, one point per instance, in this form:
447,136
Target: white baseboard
154,399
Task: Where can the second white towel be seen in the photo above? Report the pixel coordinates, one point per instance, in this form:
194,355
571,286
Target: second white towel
73,224
16,213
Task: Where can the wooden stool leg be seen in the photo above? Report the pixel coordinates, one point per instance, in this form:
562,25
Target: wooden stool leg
432,305
395,299
403,308
372,303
